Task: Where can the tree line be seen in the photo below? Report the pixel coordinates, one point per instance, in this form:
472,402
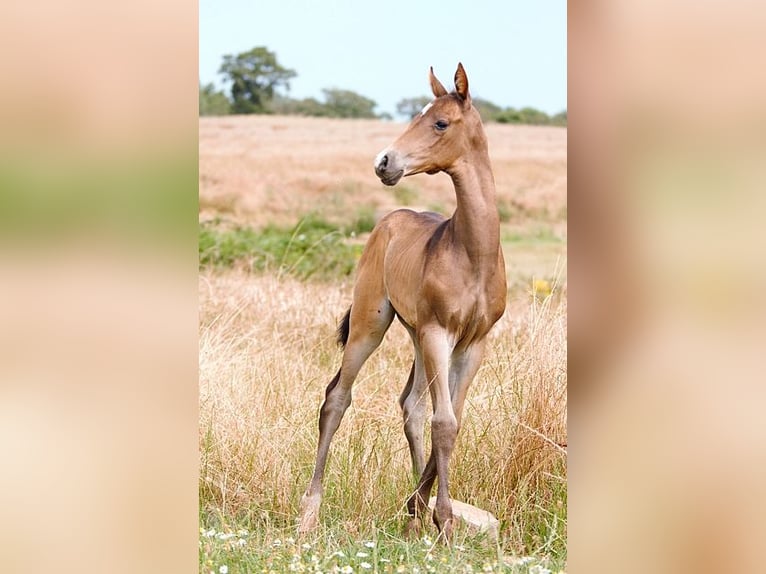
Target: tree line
256,82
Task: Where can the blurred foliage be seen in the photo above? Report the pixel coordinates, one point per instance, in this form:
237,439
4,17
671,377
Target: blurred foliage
526,115
212,102
487,110
338,104
348,104
291,107
530,116
560,119
139,197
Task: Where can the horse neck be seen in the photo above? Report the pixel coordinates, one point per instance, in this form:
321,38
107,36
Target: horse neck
475,223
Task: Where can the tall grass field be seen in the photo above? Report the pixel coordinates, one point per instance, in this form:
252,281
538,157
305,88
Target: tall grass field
282,223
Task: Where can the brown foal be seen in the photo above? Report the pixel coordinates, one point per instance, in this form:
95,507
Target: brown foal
445,281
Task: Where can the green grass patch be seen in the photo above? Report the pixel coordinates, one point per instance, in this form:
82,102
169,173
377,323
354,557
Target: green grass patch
405,194
253,547
364,221
314,248
535,235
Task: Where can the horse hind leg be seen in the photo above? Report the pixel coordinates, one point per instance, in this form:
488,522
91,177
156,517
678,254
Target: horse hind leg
413,401
364,326
415,412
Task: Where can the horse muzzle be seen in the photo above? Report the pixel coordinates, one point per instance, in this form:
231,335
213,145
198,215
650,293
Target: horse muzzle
387,168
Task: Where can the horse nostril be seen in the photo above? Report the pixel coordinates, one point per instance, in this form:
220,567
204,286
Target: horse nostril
382,162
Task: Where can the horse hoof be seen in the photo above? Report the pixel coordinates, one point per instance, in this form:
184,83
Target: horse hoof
308,523
446,531
309,514
412,530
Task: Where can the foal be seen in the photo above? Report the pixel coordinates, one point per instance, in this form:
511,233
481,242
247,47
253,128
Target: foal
444,279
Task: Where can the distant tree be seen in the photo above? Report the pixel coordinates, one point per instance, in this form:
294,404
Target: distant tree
337,104
534,116
213,102
291,107
348,104
487,110
410,107
509,116
529,116
255,76
560,119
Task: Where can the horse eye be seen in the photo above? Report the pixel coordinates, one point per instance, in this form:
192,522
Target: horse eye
441,125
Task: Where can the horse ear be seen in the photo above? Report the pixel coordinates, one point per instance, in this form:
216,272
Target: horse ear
436,86
461,84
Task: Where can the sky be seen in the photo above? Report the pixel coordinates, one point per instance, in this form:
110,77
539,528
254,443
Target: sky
514,51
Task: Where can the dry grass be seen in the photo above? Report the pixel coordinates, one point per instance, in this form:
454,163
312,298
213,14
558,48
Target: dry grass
267,351
261,169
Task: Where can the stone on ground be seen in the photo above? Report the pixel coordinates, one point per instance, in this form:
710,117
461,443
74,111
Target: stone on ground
476,519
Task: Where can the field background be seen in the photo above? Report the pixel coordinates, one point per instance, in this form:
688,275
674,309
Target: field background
267,351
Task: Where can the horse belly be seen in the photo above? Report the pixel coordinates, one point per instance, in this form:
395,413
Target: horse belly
403,289
404,261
